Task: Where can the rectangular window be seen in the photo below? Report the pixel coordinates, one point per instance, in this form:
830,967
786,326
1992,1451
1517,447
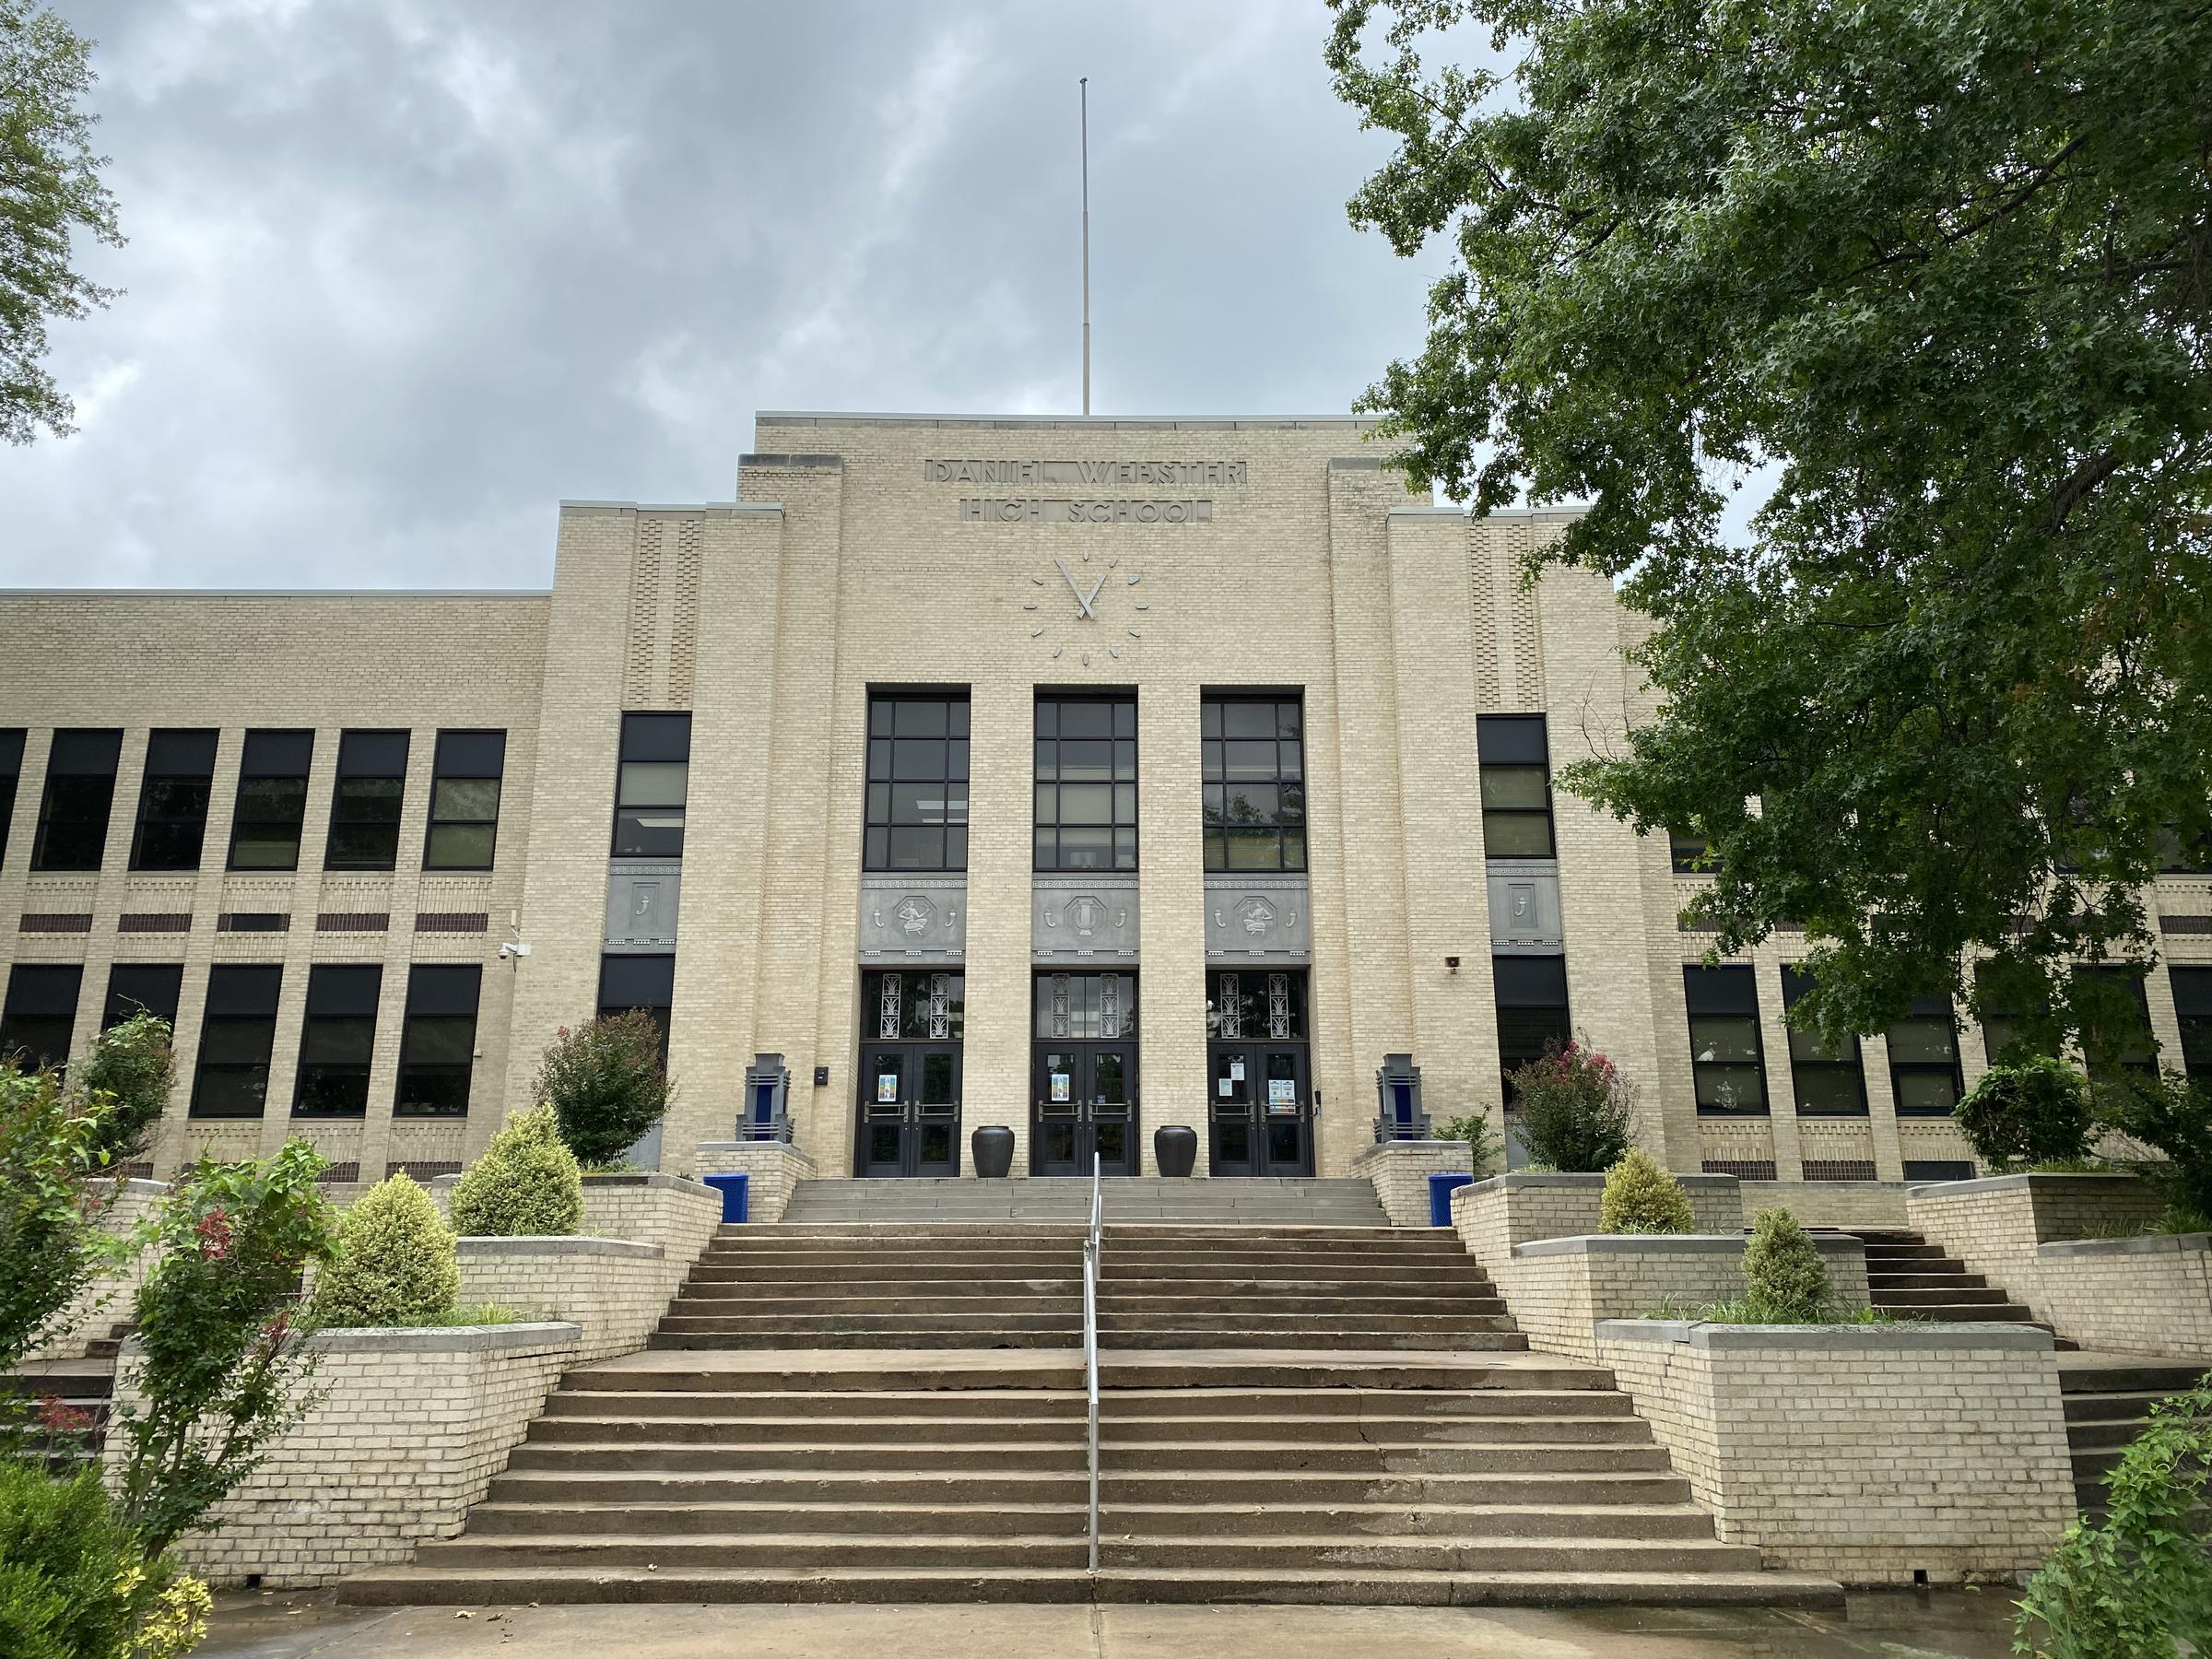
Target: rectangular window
438,1045
2011,1011
337,1041
1924,1059
1516,785
1532,1010
11,773
1828,1082
2192,1003
638,981
918,782
173,801
236,1036
1081,1007
1085,783
39,1014
653,779
1689,853
136,988
80,788
1253,751
271,800
2116,1037
1728,1059
364,808
465,800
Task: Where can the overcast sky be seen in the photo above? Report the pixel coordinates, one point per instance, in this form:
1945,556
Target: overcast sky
402,276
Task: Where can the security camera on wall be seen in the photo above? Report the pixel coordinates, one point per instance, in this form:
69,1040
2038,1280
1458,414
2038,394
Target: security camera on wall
516,949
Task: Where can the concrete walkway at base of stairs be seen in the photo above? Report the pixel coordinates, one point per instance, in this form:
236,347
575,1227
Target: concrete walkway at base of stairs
1902,1625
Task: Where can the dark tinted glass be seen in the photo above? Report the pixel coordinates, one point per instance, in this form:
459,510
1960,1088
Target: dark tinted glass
143,988
39,1014
917,784
364,813
1252,763
80,789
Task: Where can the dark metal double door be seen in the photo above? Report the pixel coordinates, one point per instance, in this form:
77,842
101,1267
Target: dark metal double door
909,1108
1262,1109
1085,1102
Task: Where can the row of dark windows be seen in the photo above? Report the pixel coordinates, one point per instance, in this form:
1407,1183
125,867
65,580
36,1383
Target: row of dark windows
231,1074
269,818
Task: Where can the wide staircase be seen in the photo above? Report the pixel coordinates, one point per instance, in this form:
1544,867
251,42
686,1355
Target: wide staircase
2106,1399
1910,1276
1269,1201
896,1412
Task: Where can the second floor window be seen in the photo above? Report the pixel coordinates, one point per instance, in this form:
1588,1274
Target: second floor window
1924,1059
2116,1039
236,1036
80,788
1253,758
1727,1062
1828,1082
1516,785
271,800
438,1044
39,1015
173,801
917,782
465,800
652,781
364,808
136,988
2193,1005
1085,783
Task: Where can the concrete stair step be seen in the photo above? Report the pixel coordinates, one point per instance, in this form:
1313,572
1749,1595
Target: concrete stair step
2156,1378
754,1301
1331,1587
1553,1517
2128,1407
1235,1404
1947,1296
644,1430
916,1338
1426,1433
1269,1334
1123,1305
979,1483
1960,1280
859,1380
726,1456
1309,1552
1273,1368
986,1322
1990,1313
953,1405
749,1518
1474,1489
1293,1323
1005,1552
1395,1458
412,1585
2101,1436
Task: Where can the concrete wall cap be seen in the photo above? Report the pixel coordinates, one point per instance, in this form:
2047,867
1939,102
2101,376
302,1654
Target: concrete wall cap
1156,423
1849,1339
740,1146
556,1244
1515,1178
1666,1245
646,1177
2144,1244
525,1335
2018,1183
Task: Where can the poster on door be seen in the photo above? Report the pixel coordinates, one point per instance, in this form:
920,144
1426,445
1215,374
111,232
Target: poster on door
1282,1094
1060,1087
887,1088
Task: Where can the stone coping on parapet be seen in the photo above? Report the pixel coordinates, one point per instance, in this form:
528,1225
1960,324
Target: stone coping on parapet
1080,423
349,594
2141,1244
1667,1245
1869,1339
474,1339
643,1177
541,1244
710,509
2051,1180
1514,1179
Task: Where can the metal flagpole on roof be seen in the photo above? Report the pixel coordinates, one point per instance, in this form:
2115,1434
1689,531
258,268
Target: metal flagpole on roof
1084,87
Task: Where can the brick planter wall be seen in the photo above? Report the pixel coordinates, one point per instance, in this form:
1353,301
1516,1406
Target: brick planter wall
1845,1203
107,1298
1996,1225
679,1216
1866,1452
2151,1295
411,1427
1495,1215
776,1167
1559,1288
1400,1172
611,1289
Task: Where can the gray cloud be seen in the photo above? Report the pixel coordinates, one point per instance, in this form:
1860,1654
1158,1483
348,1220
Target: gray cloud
403,275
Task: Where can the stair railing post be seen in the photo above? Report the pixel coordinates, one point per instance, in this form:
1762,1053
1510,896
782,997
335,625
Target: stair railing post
1092,1242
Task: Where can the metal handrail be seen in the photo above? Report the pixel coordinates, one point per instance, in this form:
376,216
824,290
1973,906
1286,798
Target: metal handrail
1093,1241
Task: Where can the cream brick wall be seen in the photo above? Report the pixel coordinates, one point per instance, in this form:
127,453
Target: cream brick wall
1845,1203
1867,1453
1495,1215
775,1168
107,1300
1400,1172
409,1430
2150,1295
613,1290
678,1215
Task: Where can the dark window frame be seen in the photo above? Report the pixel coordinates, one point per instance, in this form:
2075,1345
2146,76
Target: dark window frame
242,999
1052,763
1285,824
1809,1060
365,757
456,758
341,1016
1531,994
12,740
127,985
434,1014
651,741
2192,987
1689,853
35,999
1925,1011
1726,992
282,757
1510,749
2110,1065
643,980
899,739
90,756
173,800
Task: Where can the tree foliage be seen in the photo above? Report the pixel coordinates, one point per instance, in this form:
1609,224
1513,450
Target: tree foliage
1643,1197
2031,1111
1571,1108
50,190
49,1206
606,1083
132,1065
1943,274
75,1583
1782,1270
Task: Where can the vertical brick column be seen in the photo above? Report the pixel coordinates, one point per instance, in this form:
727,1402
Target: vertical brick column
1172,1064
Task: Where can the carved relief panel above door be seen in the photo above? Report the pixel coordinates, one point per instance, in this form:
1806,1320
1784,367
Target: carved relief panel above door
922,919
641,903
1081,918
1263,917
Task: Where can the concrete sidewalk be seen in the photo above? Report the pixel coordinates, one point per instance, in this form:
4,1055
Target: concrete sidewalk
1939,1625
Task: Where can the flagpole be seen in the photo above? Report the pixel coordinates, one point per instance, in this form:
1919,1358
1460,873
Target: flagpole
1084,84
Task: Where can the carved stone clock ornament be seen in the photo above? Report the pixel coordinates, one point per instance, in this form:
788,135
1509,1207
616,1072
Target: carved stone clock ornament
1089,604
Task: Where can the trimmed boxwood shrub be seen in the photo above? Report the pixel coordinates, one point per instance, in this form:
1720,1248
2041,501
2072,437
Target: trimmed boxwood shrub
526,1183
396,1262
1782,1270
1640,1197
2035,1111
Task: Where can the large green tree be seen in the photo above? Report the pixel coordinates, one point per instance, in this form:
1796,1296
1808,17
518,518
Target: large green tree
50,190
1941,272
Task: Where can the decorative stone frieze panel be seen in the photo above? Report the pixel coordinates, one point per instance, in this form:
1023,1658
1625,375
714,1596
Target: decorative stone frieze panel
1258,918
917,918
642,896
1524,907
1083,918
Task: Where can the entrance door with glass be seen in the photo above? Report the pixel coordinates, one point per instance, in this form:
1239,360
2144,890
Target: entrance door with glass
909,1076
1261,1100
1083,1075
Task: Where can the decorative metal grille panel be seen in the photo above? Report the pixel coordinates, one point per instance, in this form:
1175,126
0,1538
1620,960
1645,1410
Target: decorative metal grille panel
1109,1004
1233,1007
1278,1005
1060,1005
891,1007
940,1004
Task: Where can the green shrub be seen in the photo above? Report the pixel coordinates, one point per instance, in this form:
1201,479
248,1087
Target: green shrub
1640,1197
1743,1310
74,1580
525,1183
1484,1148
2130,1587
2173,1116
2033,1111
395,1264
1783,1272
49,1240
132,1065
1571,1108
605,1084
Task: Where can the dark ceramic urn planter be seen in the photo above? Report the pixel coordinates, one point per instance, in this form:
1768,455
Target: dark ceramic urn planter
1174,1149
994,1151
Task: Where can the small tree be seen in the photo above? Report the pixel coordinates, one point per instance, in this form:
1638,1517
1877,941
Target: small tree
2173,1115
224,1363
1641,1197
2035,1111
606,1083
1572,1107
525,1183
48,1209
1484,1147
1784,1274
133,1066
394,1262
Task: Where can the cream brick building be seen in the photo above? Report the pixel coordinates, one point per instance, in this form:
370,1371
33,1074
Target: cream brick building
1078,776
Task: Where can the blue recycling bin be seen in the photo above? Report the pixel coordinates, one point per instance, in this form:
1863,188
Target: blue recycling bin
1441,1188
737,1195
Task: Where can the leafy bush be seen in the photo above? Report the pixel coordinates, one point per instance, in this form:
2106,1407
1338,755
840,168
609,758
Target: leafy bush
49,1240
395,1263
2034,1111
2129,1588
606,1083
132,1065
74,1580
526,1183
224,1364
1782,1270
1745,1310
1640,1197
2171,1115
1571,1108
1484,1147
